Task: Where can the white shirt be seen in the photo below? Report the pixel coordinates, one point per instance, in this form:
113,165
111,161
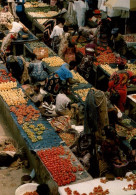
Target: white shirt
62,102
16,27
57,31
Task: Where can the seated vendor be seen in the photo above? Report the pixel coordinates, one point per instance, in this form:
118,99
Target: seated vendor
18,67
37,71
37,97
63,103
63,75
47,108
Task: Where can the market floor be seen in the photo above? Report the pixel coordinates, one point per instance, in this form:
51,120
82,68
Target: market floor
10,177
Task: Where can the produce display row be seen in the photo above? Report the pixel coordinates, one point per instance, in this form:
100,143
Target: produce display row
35,4
40,136
42,14
62,165
110,70
36,45
37,132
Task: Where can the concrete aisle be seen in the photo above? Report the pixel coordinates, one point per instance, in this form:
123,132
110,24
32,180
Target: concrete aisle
10,178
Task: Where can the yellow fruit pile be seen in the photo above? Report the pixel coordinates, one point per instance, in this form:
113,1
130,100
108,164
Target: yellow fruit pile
132,67
108,69
34,132
13,96
82,93
37,14
41,21
78,77
8,85
51,13
35,4
53,61
43,14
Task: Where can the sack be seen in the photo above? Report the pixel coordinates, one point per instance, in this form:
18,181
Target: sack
114,98
71,15
41,52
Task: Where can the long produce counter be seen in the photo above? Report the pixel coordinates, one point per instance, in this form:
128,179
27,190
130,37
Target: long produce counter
38,137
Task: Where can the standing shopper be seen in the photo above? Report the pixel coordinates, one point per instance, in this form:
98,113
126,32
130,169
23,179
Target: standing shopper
81,6
12,7
118,85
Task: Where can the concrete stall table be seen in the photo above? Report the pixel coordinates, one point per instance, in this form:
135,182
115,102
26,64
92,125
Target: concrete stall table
19,42
114,187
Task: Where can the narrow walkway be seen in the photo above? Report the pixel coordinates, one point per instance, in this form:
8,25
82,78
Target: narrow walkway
10,178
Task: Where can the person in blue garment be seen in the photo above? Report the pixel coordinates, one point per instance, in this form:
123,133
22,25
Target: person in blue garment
62,76
37,71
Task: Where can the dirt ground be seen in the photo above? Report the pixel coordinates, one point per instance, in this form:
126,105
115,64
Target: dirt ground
10,177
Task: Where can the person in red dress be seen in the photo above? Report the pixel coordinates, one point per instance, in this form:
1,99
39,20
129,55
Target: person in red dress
118,84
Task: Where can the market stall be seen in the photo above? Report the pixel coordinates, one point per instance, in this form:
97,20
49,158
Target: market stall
96,186
35,134
18,43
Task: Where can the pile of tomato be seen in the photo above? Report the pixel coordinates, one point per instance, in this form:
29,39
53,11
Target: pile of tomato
96,191
31,193
25,113
6,77
59,163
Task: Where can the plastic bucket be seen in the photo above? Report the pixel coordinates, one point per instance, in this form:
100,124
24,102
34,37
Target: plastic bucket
31,187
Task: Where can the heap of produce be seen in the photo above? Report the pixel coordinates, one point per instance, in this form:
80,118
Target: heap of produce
25,113
6,77
106,58
82,93
43,14
41,21
132,67
77,76
34,132
53,61
108,69
6,17
34,45
69,138
31,193
130,38
35,4
60,164
8,85
13,96
96,191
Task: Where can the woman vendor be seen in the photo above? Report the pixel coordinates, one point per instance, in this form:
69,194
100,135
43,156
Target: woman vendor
118,85
63,103
64,42
62,76
86,65
18,67
37,71
56,33
118,43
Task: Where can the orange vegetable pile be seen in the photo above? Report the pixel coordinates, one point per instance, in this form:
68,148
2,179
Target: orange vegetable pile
96,191
5,77
68,138
25,113
106,58
31,193
59,163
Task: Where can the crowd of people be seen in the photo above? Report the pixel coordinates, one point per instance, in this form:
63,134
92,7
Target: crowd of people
51,91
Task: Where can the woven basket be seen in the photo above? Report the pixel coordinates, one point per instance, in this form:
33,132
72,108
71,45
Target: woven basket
30,187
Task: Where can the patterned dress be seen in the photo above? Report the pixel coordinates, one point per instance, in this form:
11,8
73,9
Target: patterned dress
118,83
56,80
